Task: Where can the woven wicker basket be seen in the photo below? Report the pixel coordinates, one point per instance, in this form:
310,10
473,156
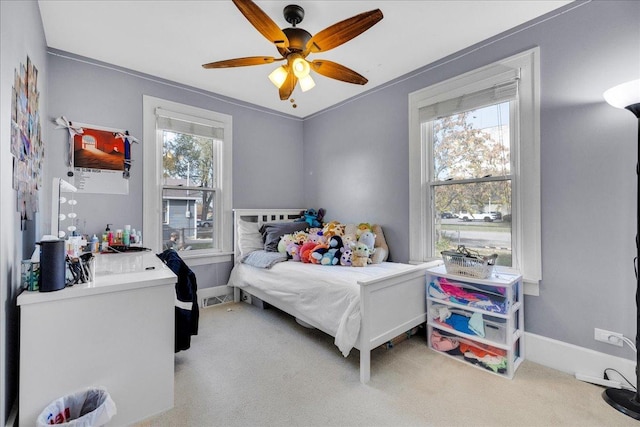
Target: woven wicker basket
463,262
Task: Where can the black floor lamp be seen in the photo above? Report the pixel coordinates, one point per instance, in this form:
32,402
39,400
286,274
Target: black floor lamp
627,95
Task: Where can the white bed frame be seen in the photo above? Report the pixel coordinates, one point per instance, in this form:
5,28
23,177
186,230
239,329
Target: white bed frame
389,305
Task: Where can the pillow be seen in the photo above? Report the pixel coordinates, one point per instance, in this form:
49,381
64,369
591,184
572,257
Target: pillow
273,231
249,237
382,250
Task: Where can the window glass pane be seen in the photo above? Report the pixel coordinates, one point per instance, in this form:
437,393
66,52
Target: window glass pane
188,160
472,144
476,215
165,212
190,222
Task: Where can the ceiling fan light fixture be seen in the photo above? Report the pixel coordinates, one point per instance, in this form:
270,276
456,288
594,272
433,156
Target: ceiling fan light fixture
306,83
278,76
300,67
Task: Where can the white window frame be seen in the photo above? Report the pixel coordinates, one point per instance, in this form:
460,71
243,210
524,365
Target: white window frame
152,211
526,221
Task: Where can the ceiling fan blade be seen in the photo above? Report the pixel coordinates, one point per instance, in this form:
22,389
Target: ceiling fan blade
343,31
242,62
336,71
289,84
262,23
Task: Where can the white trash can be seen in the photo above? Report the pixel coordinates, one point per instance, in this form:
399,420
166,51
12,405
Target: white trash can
92,407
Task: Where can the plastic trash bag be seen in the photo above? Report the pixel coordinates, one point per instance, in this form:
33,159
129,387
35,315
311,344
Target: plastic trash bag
87,408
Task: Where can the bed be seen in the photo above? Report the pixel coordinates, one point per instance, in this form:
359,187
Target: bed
361,308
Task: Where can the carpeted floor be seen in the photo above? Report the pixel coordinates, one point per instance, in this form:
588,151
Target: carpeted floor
254,367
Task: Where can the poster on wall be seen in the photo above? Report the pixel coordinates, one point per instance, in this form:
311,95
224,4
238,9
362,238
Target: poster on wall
99,157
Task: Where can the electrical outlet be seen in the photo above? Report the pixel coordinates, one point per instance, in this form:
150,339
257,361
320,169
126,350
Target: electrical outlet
609,337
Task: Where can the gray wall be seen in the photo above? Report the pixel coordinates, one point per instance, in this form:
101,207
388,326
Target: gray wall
21,34
356,165
267,147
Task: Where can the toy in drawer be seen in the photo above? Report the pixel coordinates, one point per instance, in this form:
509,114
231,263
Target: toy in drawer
473,324
488,298
478,354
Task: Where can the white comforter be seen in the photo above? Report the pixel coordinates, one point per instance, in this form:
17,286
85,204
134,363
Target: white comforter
329,296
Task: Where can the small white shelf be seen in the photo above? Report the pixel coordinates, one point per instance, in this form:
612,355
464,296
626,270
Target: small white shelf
503,319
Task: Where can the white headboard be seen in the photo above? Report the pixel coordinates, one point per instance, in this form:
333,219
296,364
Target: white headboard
260,216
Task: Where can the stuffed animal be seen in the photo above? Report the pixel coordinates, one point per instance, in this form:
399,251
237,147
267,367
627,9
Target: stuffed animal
315,235
330,258
334,228
360,256
368,238
345,256
318,252
300,237
284,242
335,247
293,251
305,251
312,217
349,240
362,227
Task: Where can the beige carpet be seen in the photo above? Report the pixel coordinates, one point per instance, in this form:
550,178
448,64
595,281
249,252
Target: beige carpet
254,367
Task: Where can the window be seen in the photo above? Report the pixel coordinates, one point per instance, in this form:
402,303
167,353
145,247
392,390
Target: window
474,166
187,180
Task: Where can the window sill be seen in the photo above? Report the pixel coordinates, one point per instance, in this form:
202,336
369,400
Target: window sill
194,259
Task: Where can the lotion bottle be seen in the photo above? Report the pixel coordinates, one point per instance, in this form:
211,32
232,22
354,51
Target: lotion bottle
126,235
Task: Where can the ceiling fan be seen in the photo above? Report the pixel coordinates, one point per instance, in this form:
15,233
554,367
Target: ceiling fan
294,44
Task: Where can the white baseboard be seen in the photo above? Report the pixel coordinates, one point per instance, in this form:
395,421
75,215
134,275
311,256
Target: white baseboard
573,360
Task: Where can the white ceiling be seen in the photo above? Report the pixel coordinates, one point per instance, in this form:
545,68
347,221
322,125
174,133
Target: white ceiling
172,39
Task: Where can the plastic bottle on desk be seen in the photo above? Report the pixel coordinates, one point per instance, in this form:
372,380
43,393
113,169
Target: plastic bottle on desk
126,235
95,244
109,235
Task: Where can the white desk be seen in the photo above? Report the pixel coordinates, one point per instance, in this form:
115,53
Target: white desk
116,332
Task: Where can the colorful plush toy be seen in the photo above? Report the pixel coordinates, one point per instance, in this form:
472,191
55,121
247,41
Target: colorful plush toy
300,237
318,252
315,235
333,228
285,240
293,251
345,256
368,238
330,258
335,247
312,217
360,256
362,227
305,251
349,240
